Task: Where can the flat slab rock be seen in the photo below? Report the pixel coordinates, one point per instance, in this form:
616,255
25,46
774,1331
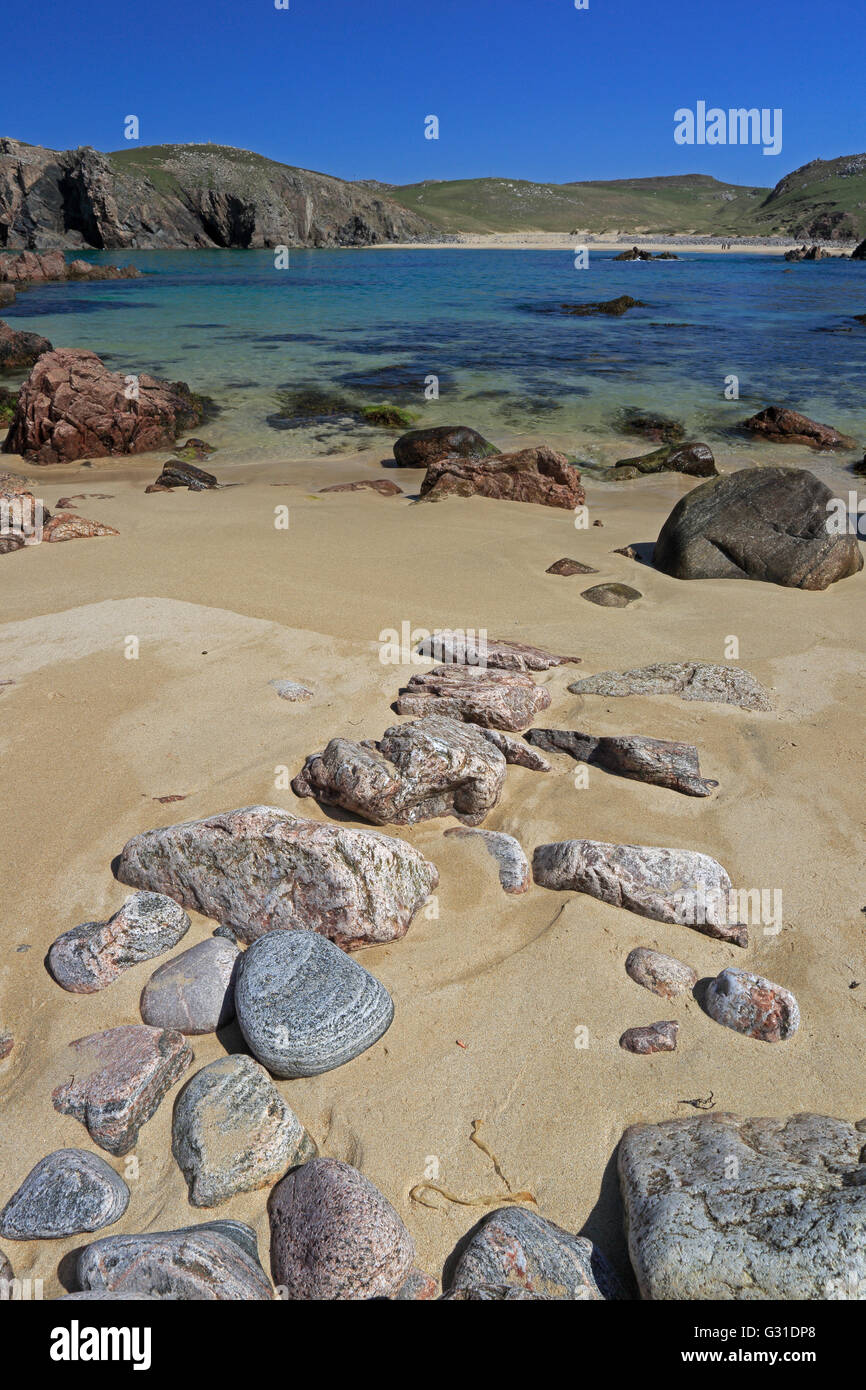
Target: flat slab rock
415,772
334,1235
91,956
492,653
305,1007
568,567
506,700
118,1079
664,975
719,1207
691,680
517,1248
262,869
233,1132
69,1191
193,992
654,760
508,853
530,475
753,1005
217,1260
611,595
664,884
651,1037
383,486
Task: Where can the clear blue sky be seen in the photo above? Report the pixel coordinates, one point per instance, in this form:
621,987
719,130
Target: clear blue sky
528,88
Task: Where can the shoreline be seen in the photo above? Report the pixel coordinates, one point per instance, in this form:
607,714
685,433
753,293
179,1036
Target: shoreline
568,241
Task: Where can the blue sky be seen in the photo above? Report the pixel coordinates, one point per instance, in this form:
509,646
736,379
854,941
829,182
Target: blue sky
527,88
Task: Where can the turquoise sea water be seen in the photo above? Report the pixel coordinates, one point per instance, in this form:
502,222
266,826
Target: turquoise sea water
374,325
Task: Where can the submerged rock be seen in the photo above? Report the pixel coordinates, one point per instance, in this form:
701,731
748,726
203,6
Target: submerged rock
506,700
490,653
654,760
216,1260
781,426
668,885
305,1007
691,680
750,1004
719,1207
261,869
194,992
694,459
416,771
518,1248
530,475
420,448
616,307
651,1037
611,595
760,523
664,975
91,956
650,424
69,1191
335,1237
508,853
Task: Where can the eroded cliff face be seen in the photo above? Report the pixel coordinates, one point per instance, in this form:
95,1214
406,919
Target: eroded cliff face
176,196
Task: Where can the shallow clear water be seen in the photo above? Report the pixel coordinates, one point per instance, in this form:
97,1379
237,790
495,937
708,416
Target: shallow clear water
373,325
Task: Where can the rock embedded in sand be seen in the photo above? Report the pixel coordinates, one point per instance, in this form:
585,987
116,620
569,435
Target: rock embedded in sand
182,473
118,1079
420,448
752,1005
518,1248
383,486
7,1042
456,647
664,975
694,459
418,1288
335,1237
772,524
216,1260
653,760
668,885
194,992
18,349
514,750
69,1191
66,526
611,595
782,426
651,1037
719,1207
691,680
506,700
292,691
233,1132
91,956
530,475
508,853
6,1274
71,407
416,771
262,869
305,1007
569,567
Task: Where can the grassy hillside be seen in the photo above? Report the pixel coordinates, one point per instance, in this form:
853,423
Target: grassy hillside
163,165
824,198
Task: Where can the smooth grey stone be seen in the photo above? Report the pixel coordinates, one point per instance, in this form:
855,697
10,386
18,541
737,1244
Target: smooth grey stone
216,1260
517,1247
69,1191
91,956
304,1006
193,992
233,1132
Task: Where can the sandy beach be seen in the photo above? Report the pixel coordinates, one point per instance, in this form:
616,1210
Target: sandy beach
564,241
491,992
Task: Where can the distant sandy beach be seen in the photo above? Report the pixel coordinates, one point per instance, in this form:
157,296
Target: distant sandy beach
563,241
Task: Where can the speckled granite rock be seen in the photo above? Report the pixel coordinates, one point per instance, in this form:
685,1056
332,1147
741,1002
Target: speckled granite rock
651,1037
68,1191
118,1079
216,1260
612,595
418,1288
500,699
514,1246
664,884
305,1007
493,1293
193,992
514,750
91,956
233,1132
261,869
653,760
416,771
454,646
691,680
719,1207
528,475
334,1236
103,1296
513,864
752,1005
291,690
664,975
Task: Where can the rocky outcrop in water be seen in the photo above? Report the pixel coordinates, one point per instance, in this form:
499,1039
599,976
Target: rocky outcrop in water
782,426
18,349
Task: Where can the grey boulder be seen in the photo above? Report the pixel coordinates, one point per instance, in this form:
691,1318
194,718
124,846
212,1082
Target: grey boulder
517,1248
217,1260
69,1191
753,1005
91,956
691,680
193,992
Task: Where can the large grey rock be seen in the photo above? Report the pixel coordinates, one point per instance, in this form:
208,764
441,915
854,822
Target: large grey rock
498,699
753,1005
193,992
759,523
261,869
416,771
654,760
68,1191
91,956
691,680
668,885
334,1236
233,1132
518,1248
305,1007
719,1207
217,1260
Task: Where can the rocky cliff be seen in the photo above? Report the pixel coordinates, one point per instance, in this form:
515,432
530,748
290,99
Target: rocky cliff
175,196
